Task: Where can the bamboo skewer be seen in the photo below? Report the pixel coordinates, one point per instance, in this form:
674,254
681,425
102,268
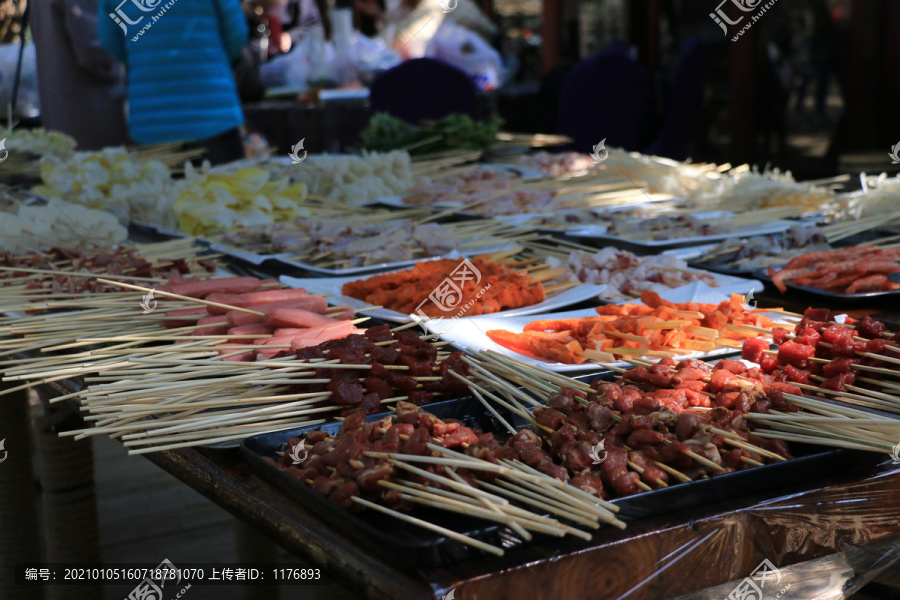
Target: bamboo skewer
436,528
526,474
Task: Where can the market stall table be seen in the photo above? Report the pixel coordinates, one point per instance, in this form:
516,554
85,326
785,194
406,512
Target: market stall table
657,557
331,126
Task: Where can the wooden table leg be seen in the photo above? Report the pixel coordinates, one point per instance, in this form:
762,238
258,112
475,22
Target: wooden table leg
69,499
19,529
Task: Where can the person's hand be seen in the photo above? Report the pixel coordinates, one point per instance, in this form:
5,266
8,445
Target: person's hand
369,8
251,8
284,44
258,7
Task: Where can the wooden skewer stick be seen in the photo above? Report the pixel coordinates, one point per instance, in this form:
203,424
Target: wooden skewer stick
180,297
493,411
458,503
601,507
739,442
77,274
525,379
812,439
519,410
431,526
492,379
545,503
225,438
514,525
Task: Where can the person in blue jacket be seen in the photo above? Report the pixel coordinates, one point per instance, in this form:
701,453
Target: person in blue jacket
178,56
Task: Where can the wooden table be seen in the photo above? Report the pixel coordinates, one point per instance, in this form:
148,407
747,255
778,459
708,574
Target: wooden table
651,557
660,557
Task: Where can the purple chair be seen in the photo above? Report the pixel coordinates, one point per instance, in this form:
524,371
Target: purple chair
682,102
607,96
423,89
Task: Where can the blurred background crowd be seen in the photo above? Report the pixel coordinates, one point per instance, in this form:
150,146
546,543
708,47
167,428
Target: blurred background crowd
809,87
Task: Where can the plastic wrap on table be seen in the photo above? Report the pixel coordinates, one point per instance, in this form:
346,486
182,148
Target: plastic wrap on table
831,577
825,540
787,531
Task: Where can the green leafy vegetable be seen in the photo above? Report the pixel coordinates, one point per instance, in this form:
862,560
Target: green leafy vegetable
453,132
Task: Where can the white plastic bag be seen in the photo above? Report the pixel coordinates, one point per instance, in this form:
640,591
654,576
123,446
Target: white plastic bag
371,56
466,50
291,69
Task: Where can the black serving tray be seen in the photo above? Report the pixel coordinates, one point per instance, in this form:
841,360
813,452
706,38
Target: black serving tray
408,546
404,545
866,236
763,274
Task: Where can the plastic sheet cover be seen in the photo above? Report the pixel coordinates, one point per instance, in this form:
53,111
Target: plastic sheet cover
861,520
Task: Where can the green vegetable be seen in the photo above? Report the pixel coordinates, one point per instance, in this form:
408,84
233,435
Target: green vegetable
453,132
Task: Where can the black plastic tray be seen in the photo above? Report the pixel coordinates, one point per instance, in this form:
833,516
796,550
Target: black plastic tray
763,274
865,236
409,546
405,545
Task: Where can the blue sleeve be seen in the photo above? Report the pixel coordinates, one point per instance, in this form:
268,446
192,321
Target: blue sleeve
234,26
112,38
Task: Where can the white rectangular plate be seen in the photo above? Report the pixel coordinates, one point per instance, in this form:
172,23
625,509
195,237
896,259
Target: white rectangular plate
471,334
166,231
397,202
486,249
251,257
599,233
525,218
727,284
526,173
333,286
700,292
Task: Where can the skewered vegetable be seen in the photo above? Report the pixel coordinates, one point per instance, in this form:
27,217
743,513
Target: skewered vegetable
656,328
348,241
115,180
36,227
453,132
215,202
